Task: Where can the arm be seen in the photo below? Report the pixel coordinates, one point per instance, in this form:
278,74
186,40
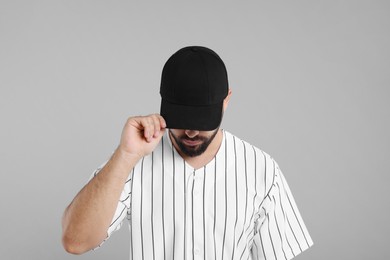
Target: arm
280,232
86,220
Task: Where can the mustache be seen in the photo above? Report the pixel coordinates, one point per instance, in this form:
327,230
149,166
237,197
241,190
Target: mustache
196,138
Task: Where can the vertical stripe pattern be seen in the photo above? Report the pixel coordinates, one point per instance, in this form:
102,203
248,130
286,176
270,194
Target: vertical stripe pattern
237,206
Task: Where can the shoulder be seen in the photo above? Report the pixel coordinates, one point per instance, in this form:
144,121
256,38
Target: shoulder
242,144
255,159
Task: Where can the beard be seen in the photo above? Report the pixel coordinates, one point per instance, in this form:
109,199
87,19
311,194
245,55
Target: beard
195,150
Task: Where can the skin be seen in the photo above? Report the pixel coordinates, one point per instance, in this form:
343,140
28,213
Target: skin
86,220
197,148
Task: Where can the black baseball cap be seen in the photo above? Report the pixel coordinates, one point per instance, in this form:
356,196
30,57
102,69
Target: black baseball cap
194,84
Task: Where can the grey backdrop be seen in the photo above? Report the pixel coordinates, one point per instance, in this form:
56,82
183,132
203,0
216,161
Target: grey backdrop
310,84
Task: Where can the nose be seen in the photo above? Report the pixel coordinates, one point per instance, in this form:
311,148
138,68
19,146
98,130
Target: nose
191,133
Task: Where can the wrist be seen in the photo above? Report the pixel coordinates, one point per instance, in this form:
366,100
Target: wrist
130,158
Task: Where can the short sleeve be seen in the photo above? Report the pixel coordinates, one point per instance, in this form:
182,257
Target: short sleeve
280,232
123,207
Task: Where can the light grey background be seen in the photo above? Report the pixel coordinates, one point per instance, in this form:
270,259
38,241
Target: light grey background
310,83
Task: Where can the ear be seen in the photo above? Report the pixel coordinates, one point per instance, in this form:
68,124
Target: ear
226,100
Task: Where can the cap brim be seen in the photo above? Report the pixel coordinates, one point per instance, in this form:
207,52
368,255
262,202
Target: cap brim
202,118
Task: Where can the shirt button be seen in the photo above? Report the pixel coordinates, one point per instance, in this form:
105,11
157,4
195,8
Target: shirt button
197,251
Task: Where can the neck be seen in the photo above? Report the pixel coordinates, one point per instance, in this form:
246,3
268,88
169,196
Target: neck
199,161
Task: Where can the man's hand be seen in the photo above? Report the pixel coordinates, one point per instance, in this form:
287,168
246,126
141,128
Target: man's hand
87,219
141,134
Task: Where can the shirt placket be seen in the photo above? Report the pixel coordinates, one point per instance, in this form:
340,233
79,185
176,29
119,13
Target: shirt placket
194,239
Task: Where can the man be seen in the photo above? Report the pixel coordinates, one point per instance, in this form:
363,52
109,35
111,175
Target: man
189,189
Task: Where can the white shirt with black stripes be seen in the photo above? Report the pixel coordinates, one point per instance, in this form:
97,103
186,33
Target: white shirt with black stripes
238,206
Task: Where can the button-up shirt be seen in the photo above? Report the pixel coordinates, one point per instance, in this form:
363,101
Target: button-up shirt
237,206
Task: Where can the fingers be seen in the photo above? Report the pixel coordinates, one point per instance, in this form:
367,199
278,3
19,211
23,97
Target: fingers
157,126
162,121
152,125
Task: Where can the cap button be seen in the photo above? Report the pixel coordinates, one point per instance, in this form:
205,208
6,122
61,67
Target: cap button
194,49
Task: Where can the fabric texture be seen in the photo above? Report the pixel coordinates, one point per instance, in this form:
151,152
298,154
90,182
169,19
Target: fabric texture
238,206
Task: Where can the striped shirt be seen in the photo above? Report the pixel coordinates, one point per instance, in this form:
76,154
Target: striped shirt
238,206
